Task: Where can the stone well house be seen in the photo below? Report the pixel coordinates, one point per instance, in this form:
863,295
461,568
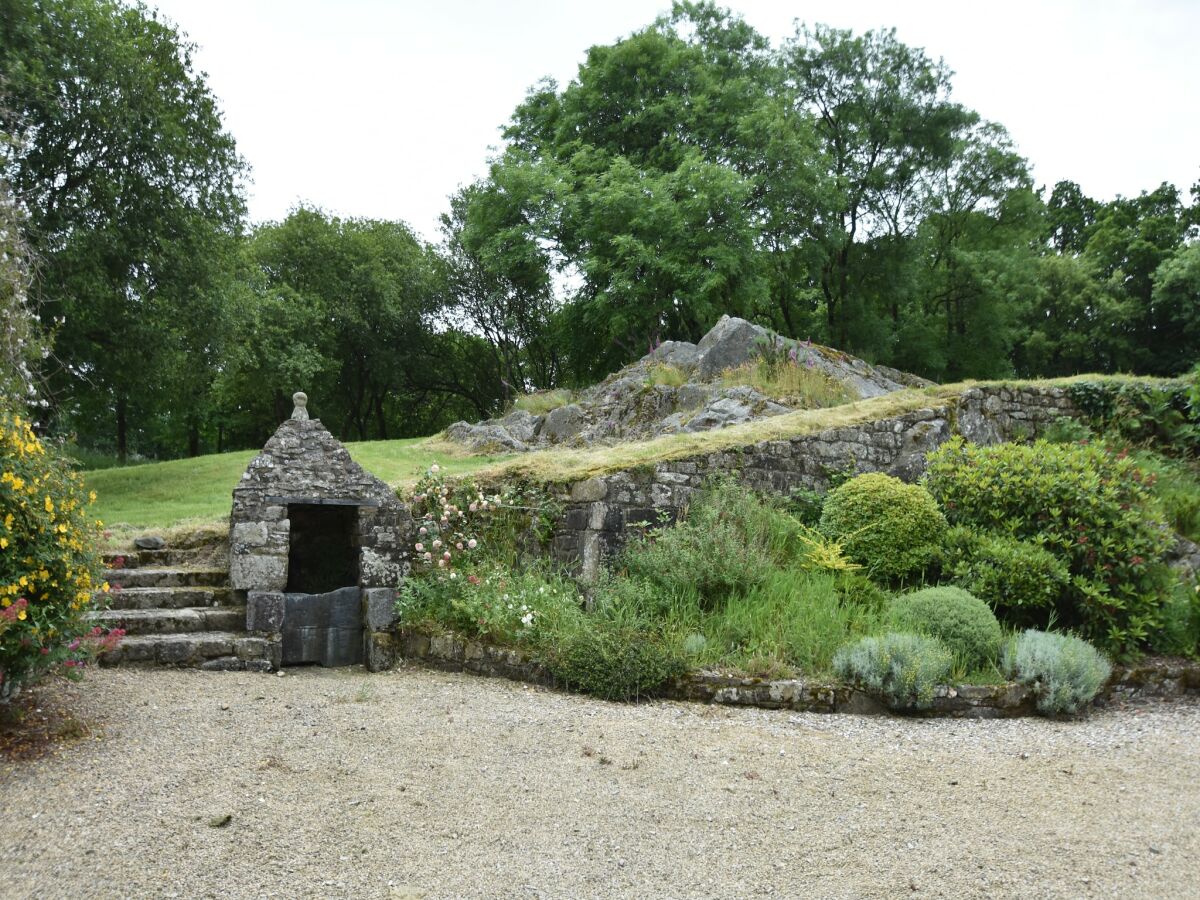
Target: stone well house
318,547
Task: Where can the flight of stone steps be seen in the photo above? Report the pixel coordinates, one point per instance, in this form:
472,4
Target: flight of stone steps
177,610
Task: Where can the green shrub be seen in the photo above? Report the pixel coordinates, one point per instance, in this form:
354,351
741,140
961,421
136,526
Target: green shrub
805,505
1065,672
861,592
609,660
890,527
960,620
1179,633
903,669
1177,488
1090,507
730,541
48,562
1018,577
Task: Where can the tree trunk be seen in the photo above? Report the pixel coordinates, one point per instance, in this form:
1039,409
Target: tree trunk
122,430
193,439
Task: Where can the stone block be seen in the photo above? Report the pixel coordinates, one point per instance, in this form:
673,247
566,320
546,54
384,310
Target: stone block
254,572
379,608
264,611
248,534
382,651
589,491
379,570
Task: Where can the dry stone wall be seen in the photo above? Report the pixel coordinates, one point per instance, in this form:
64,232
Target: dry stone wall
601,512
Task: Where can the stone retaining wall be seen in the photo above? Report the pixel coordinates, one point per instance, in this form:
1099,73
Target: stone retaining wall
1155,678
601,511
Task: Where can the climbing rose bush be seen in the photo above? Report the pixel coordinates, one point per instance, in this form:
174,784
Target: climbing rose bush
447,514
48,562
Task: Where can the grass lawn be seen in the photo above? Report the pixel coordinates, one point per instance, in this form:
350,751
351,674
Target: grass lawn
187,491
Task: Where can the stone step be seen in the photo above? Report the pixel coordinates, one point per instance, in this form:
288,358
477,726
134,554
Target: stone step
166,597
218,649
121,559
171,556
167,577
173,621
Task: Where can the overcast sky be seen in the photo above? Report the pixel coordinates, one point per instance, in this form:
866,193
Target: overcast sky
382,108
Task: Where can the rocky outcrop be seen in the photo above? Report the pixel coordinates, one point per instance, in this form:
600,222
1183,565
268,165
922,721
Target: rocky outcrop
679,388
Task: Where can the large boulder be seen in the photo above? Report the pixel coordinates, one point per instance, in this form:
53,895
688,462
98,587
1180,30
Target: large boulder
563,423
730,343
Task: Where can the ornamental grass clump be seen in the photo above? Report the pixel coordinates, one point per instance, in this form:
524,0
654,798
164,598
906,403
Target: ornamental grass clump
961,621
1065,672
48,562
891,528
902,669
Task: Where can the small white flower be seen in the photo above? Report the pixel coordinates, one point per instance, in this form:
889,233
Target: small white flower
420,547
453,575
437,545
424,531
435,468
472,543
441,564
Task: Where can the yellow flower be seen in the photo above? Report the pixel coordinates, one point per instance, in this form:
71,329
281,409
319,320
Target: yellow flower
49,504
3,543
21,615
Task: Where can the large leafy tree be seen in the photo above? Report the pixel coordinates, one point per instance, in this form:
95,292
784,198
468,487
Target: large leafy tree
343,309
132,188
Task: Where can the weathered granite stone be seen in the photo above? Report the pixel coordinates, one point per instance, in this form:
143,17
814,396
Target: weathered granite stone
149,542
680,354
264,611
249,534
379,608
563,423
264,573
730,343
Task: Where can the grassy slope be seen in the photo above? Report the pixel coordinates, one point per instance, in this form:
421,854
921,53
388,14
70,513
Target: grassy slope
159,495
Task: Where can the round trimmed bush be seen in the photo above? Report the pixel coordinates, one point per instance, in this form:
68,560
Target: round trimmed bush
1065,671
892,528
903,669
960,620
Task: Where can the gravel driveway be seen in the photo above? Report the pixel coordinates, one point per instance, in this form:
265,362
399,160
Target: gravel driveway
335,783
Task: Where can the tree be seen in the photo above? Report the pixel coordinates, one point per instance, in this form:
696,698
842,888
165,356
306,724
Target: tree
885,120
130,180
347,307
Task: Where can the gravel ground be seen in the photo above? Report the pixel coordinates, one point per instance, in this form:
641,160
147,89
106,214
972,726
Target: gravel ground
422,784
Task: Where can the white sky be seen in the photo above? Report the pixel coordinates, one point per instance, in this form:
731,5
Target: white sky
382,108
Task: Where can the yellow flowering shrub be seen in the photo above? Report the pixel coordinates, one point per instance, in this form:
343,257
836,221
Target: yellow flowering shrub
48,560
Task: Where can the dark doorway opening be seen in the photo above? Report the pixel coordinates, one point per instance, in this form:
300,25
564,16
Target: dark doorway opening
322,556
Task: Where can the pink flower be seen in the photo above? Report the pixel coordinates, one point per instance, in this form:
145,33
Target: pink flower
441,564
424,531
428,556
472,543
446,555
459,545
437,545
420,548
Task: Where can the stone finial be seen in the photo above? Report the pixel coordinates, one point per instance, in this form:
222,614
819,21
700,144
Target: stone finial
301,400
